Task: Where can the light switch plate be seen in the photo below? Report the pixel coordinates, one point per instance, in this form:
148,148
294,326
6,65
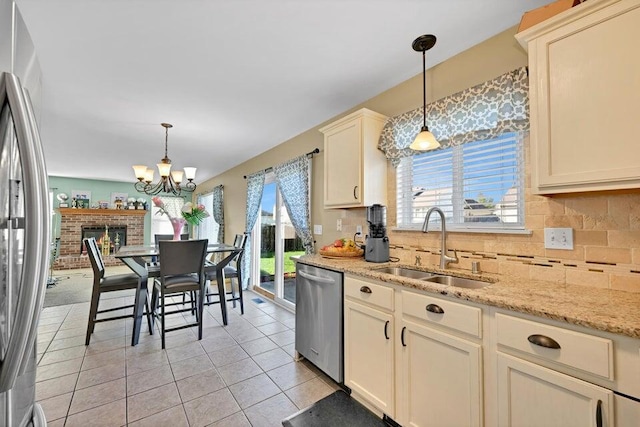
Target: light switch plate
317,229
359,229
558,238
339,224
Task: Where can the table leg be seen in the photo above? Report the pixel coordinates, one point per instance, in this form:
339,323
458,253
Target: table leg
221,292
138,310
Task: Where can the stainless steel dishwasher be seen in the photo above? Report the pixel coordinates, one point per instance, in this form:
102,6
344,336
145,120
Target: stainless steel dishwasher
319,318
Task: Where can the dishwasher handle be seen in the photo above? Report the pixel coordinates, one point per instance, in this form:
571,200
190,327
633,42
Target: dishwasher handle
317,279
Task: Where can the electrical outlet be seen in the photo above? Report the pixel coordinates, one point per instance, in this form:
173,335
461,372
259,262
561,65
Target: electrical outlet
317,229
339,224
558,238
359,229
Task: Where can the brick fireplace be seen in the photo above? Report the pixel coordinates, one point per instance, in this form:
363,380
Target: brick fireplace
72,222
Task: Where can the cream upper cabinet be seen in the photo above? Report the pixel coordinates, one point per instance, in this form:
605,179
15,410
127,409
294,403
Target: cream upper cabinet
585,92
355,171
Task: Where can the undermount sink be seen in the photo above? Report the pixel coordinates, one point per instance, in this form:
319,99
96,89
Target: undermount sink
405,272
458,282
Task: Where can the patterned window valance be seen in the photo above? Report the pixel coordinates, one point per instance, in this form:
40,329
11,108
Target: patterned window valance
481,112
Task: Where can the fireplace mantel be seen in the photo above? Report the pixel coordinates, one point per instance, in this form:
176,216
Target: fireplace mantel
76,211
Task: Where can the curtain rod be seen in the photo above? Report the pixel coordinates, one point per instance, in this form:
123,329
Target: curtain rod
310,153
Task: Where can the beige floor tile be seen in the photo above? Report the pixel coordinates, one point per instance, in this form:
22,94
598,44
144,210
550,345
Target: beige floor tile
107,335
228,355
56,407
73,332
261,320
307,393
111,324
290,349
236,420
44,338
92,361
52,320
271,412
289,323
198,385
254,390
258,346
172,417
283,338
283,315
272,328
98,395
272,359
62,355
211,408
97,347
185,352
211,344
143,347
245,335
56,386
57,423
192,366
239,371
101,375
151,402
146,361
291,375
149,380
74,323
66,343
58,369
112,414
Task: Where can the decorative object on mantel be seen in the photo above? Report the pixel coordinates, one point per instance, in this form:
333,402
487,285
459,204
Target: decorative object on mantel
80,199
169,181
62,198
425,140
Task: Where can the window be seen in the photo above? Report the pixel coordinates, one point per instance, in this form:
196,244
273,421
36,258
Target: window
209,227
478,185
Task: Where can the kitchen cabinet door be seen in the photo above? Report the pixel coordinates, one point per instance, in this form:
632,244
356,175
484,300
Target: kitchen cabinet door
531,395
441,379
355,171
368,354
584,94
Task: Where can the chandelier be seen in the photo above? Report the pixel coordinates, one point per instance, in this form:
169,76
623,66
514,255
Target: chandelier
169,180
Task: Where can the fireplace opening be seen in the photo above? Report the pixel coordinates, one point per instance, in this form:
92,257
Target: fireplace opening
109,238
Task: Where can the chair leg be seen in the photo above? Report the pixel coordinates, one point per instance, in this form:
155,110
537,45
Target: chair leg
93,313
149,315
240,296
206,291
162,317
233,292
200,312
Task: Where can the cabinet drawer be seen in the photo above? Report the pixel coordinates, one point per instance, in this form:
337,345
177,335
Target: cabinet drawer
587,353
371,293
456,316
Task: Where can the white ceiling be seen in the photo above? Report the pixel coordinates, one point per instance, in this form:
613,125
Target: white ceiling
234,77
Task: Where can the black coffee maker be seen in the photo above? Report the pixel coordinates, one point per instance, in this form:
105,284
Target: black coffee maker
376,242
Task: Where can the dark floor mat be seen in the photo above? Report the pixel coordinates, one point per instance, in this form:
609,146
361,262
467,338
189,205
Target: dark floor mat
336,410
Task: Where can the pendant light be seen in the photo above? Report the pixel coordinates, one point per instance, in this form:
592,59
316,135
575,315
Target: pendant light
425,140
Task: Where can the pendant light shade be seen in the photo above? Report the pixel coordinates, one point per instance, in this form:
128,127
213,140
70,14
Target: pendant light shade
425,140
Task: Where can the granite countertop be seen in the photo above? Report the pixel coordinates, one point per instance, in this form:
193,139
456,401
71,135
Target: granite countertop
603,309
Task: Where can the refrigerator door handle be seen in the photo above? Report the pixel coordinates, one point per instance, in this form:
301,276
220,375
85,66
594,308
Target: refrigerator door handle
35,258
317,279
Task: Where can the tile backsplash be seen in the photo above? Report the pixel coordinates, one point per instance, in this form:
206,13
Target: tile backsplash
606,227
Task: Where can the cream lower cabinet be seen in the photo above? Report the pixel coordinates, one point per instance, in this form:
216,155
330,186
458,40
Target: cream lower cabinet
369,360
531,395
441,379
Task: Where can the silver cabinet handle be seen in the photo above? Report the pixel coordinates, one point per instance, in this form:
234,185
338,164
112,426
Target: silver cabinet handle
435,308
543,341
31,293
366,290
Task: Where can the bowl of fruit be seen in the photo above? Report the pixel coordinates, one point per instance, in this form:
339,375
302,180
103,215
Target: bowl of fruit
341,248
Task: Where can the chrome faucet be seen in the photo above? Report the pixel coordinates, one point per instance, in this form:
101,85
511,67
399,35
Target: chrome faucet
444,259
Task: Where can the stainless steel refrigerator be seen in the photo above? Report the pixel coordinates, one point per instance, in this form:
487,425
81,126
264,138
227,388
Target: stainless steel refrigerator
24,250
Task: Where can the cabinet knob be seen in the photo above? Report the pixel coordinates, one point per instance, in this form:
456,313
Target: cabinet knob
543,341
365,290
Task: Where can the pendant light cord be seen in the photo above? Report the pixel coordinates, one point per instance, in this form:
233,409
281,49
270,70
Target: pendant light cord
424,89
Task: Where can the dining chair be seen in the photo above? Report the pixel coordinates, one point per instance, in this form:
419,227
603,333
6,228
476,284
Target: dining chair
103,284
181,270
232,271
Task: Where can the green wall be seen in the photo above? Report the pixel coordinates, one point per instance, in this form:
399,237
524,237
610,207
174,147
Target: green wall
100,191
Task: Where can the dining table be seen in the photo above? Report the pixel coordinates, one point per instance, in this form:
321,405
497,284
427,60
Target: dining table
141,260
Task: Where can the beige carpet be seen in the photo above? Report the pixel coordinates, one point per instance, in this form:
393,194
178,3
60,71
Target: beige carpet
74,286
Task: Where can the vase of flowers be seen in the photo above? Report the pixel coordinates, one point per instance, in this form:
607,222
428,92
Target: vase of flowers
191,213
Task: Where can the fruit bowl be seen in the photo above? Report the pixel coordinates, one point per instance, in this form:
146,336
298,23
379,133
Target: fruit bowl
341,248
342,254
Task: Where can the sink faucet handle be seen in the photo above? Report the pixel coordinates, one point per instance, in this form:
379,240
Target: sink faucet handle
454,258
418,260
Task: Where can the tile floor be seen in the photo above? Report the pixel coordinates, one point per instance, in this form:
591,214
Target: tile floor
242,374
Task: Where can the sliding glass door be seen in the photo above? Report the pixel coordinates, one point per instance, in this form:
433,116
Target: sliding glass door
275,241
